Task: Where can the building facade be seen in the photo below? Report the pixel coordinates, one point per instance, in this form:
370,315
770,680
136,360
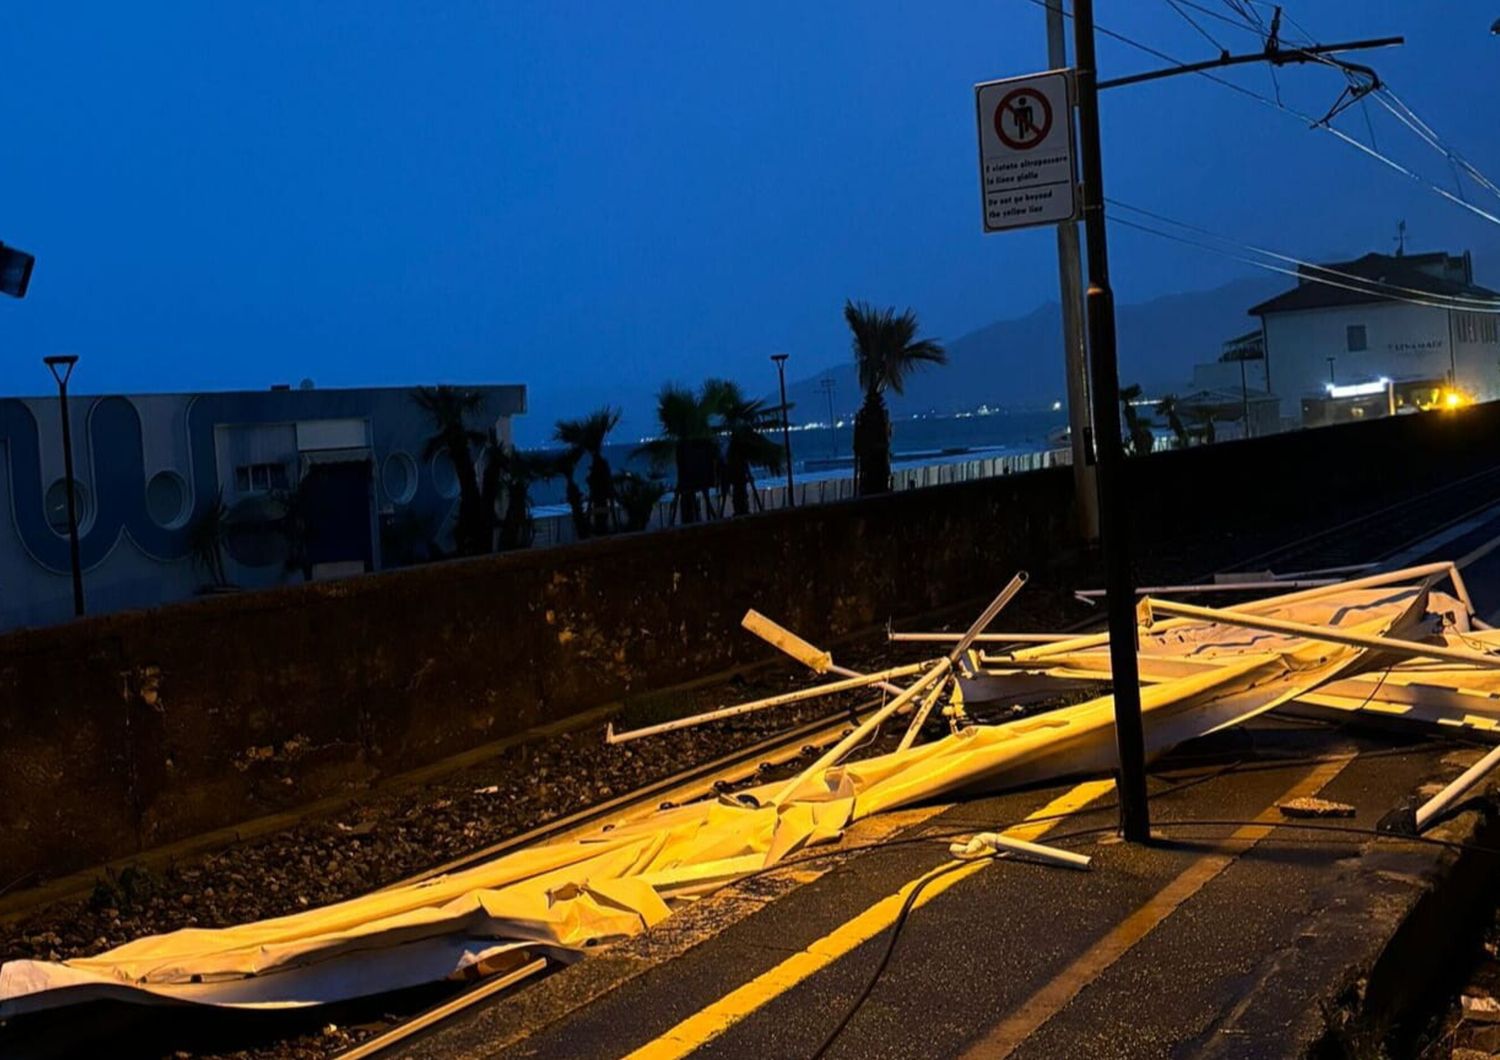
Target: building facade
1418,321
178,494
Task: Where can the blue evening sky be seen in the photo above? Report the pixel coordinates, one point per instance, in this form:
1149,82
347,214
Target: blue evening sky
592,198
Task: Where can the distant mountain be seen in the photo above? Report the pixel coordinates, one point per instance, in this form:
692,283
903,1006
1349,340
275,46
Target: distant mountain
1015,363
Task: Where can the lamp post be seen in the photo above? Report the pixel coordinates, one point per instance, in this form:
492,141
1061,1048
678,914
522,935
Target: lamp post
786,430
61,367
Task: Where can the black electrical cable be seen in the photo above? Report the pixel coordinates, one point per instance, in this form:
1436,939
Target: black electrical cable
890,948
1194,23
899,924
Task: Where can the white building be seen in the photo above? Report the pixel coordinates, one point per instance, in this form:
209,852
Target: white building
1316,334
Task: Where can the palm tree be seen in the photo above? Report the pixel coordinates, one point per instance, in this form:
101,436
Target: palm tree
687,441
638,497
587,435
1167,407
516,472
1142,440
886,350
206,539
448,409
567,466
742,424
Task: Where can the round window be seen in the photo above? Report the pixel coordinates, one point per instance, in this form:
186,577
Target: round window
166,499
399,477
56,504
444,478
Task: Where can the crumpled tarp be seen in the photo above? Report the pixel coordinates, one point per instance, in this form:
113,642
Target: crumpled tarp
569,896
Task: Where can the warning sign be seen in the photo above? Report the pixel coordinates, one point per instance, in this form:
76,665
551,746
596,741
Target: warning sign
1026,151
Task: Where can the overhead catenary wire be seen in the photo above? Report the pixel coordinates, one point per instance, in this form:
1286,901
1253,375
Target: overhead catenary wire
1292,272
1274,104
1269,267
1381,287
1191,21
1388,99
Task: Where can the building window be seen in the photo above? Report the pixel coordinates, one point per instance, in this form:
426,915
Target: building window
1477,327
166,499
399,477
1356,336
56,504
260,478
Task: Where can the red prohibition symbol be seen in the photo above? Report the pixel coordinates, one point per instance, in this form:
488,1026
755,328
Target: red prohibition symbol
1023,119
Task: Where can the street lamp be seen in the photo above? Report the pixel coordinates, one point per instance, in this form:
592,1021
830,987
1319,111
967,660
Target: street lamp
786,430
61,367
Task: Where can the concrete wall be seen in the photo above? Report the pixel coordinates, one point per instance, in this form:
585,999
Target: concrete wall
131,730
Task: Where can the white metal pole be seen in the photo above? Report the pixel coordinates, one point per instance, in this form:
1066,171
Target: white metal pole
786,698
1328,634
1443,799
1075,351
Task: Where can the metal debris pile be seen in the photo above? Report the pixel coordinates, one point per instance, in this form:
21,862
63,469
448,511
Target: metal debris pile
1392,647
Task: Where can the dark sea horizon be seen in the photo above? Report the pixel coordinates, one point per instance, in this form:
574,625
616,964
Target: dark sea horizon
821,453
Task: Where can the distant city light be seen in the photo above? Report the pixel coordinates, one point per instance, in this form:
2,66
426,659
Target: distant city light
1357,389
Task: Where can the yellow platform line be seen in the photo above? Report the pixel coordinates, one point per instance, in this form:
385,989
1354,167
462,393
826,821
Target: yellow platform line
710,1022
1009,1033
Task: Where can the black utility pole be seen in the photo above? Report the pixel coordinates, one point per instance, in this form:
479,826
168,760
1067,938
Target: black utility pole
61,367
1114,523
786,430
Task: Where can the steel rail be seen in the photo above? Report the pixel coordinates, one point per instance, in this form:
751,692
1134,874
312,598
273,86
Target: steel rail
693,776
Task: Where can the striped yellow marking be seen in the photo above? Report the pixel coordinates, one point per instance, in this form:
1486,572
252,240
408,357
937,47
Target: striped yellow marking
1003,1039
700,1029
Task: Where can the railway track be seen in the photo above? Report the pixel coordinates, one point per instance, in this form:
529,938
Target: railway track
1377,535
698,782
1367,538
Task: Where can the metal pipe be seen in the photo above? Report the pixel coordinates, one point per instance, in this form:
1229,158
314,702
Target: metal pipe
983,638
863,681
1396,646
1088,595
1443,799
838,750
1075,345
943,667
1373,581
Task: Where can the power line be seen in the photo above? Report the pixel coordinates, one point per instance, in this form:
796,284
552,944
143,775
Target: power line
1193,22
1391,102
1237,23
1278,105
1374,286
1431,304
